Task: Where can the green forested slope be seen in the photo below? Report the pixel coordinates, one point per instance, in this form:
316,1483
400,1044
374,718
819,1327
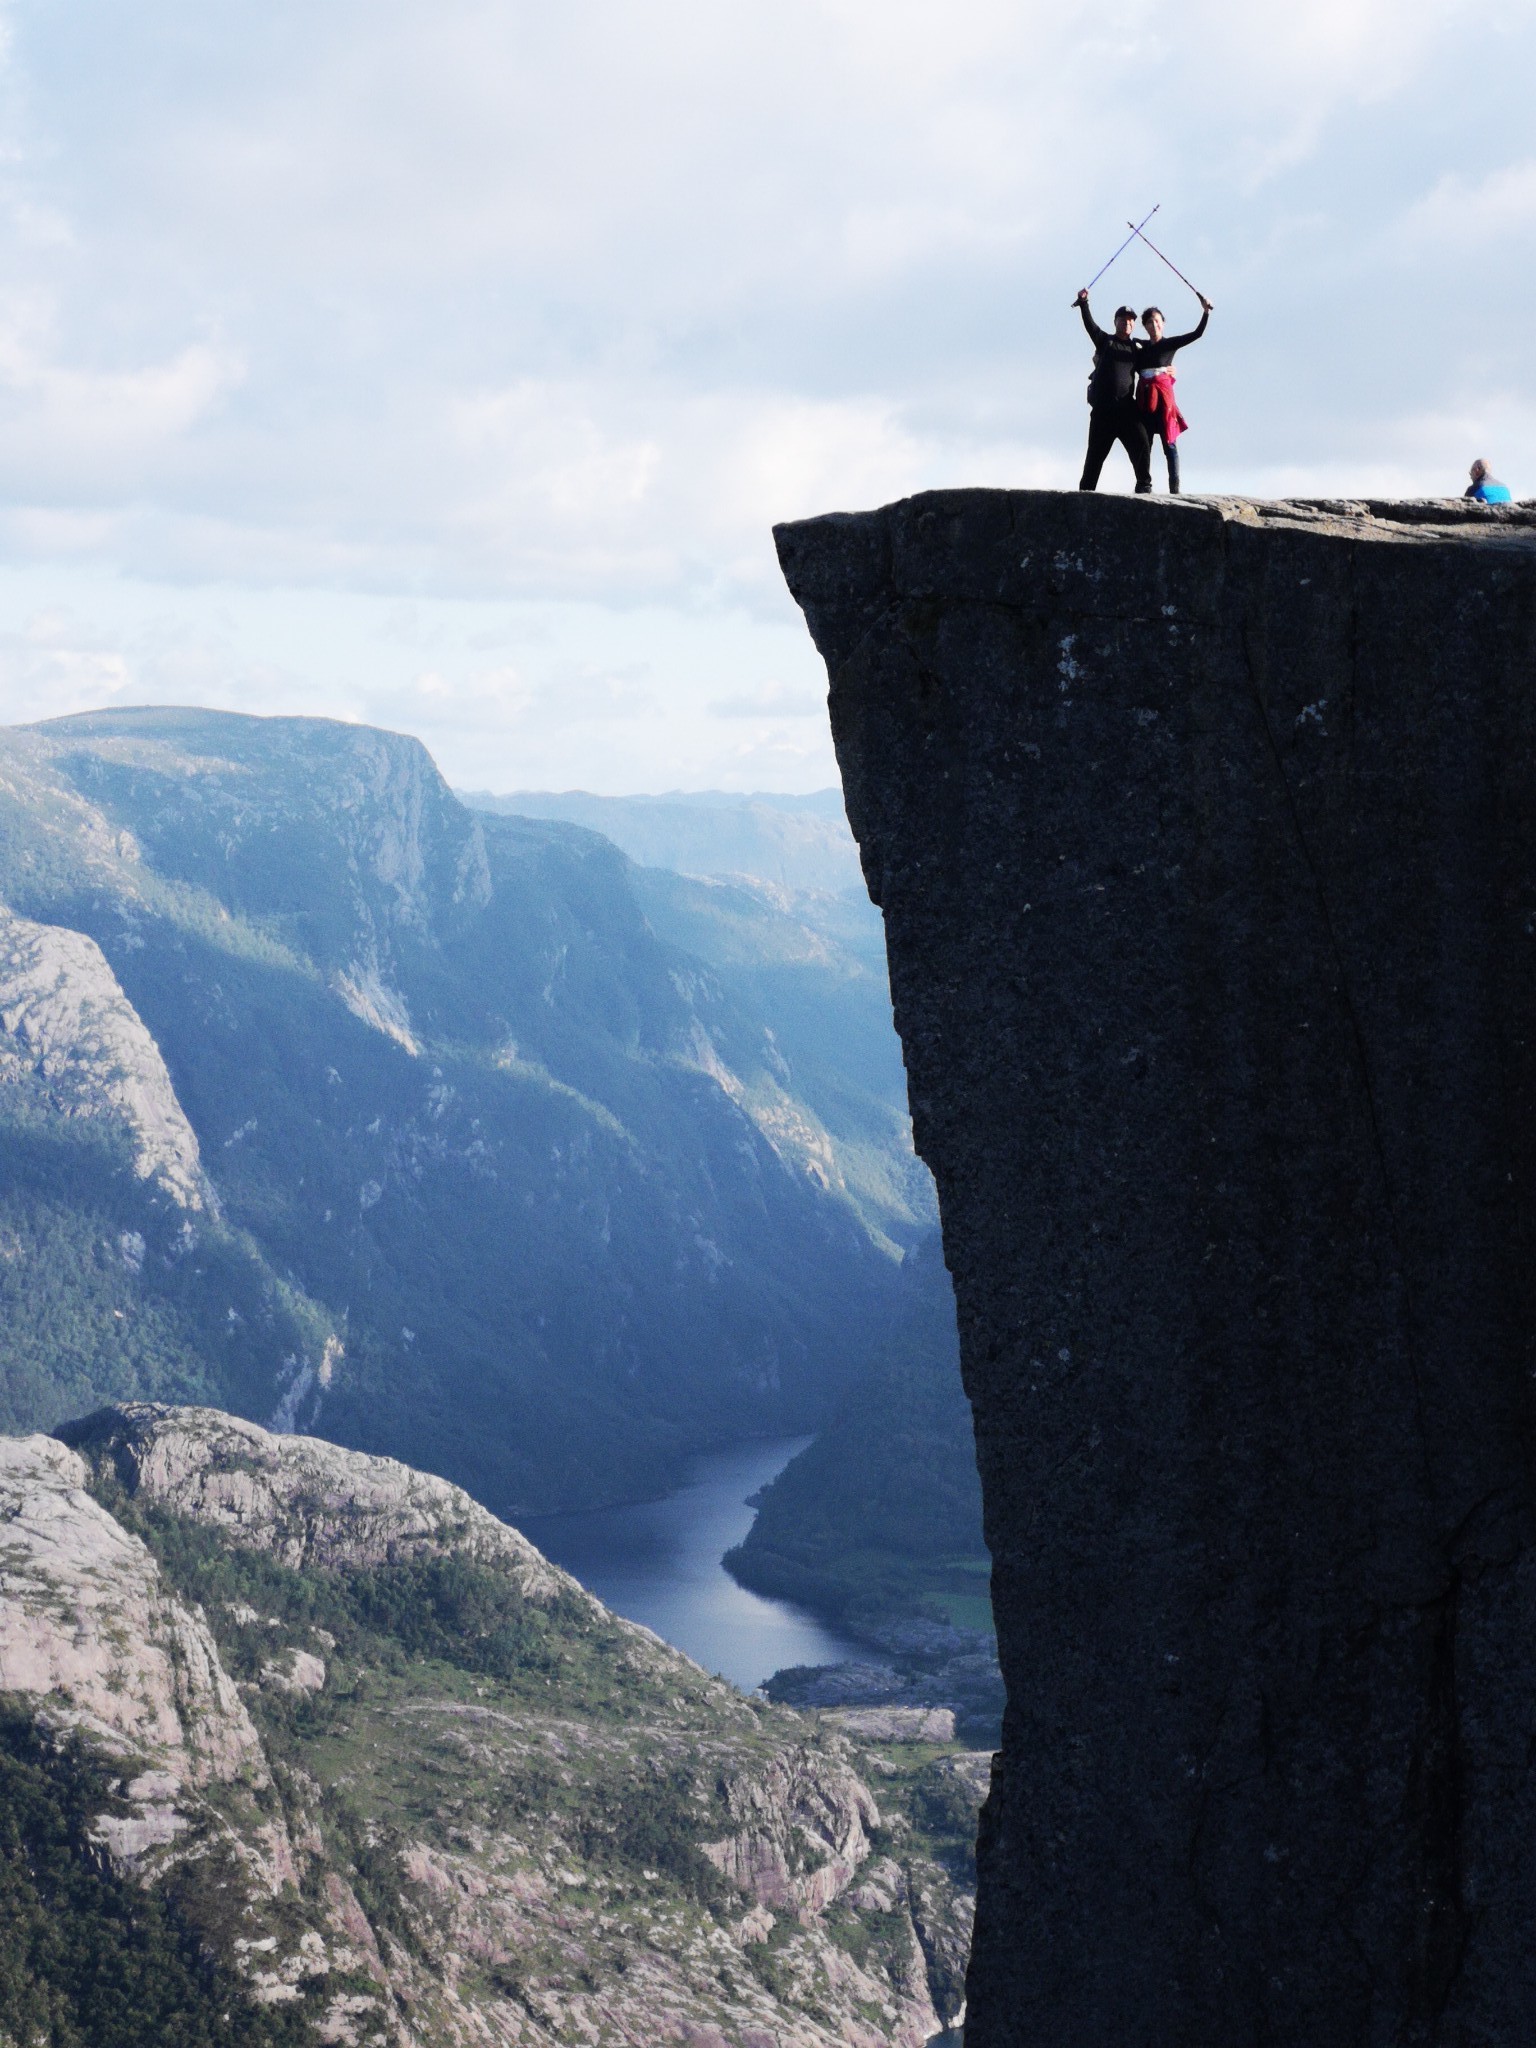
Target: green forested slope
767,891
880,1518
107,1290
88,1957
811,968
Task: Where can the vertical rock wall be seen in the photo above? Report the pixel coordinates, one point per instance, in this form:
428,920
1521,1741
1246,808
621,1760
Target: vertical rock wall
1205,835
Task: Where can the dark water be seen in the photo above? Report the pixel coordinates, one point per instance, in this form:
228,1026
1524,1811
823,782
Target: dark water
659,1564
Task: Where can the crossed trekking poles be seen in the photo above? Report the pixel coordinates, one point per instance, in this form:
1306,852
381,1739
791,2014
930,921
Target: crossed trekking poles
1136,233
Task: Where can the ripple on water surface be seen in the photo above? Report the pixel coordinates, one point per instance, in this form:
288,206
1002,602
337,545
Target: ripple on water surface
658,1563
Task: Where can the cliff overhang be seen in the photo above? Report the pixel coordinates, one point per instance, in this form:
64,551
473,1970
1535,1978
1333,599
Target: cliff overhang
1205,834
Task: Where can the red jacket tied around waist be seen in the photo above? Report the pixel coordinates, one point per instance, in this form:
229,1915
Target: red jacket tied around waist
1155,396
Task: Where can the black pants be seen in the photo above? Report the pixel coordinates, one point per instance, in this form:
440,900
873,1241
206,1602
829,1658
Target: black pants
1125,423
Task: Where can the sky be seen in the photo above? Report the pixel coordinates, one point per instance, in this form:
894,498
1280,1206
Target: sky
445,364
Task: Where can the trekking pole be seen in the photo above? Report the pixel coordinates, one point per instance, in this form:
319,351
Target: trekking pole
1135,231
1200,295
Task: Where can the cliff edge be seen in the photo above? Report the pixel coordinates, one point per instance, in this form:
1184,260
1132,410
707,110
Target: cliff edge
1205,834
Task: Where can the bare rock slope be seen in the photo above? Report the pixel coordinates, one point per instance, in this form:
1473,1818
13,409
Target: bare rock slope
67,1029
309,1503
451,1797
1205,834
87,1623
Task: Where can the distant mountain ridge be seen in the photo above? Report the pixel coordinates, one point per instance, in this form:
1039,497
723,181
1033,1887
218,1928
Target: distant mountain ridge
768,890
791,842
492,1172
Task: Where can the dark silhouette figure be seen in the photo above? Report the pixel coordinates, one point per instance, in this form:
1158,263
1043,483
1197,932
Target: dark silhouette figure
1113,414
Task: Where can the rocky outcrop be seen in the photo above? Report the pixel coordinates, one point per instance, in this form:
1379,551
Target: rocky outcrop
1205,835
802,1831
86,1623
89,1630
581,1838
67,1029
303,1501
898,1724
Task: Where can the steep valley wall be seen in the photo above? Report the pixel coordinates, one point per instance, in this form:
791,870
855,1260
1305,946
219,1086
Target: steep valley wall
1205,835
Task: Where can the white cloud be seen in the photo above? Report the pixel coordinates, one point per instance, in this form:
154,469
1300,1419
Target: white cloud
772,701
483,303
44,675
95,428
1462,209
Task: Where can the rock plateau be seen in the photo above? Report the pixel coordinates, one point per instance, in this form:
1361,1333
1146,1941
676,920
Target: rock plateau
1205,834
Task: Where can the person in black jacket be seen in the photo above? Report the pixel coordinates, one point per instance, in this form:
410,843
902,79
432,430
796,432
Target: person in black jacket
1154,394
1113,414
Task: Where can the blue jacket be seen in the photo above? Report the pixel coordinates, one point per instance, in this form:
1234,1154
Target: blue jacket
1489,492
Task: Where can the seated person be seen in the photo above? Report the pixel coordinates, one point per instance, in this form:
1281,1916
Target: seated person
1485,486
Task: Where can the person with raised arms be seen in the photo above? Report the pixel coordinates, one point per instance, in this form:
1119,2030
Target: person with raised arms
1154,389
1112,411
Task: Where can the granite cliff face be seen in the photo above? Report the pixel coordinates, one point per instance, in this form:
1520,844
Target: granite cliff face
69,1033
87,1624
435,1792
1205,835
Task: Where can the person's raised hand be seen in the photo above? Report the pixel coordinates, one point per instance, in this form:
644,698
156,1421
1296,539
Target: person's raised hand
1082,297
1205,302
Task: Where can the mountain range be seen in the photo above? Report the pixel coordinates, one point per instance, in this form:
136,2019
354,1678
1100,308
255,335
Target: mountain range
768,891
458,1137
798,845
335,1103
